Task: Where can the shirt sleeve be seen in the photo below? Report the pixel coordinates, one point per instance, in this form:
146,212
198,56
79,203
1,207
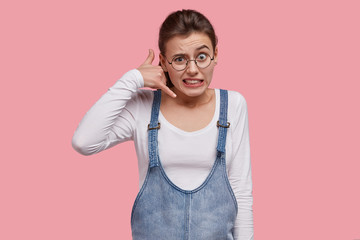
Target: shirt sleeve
109,121
240,172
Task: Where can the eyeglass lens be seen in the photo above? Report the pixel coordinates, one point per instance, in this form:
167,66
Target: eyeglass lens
203,60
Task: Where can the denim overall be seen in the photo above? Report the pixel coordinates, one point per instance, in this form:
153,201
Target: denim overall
163,211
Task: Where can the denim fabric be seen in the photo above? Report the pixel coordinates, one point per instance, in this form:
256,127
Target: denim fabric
163,211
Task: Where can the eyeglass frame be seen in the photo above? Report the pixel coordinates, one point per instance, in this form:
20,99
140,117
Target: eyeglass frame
187,62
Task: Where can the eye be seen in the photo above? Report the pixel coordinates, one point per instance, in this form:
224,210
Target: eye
179,59
202,57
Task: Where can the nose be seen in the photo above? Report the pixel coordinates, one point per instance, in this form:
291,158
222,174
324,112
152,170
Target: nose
192,68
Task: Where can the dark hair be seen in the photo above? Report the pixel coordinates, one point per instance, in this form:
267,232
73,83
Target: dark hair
183,23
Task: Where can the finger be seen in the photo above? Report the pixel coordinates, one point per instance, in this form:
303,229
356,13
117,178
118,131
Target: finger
167,90
150,57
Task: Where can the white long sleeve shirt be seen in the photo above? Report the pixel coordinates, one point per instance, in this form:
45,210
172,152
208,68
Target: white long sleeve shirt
123,114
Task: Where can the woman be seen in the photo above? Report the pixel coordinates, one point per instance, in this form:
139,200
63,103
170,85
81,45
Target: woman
192,141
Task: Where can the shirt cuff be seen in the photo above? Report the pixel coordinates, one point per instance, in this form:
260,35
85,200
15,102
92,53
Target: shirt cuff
138,76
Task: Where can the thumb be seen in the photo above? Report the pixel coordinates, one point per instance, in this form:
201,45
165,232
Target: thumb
150,57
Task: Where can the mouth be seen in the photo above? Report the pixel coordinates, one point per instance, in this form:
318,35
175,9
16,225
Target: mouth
193,82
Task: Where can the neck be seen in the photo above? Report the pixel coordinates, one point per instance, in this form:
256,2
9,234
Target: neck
189,101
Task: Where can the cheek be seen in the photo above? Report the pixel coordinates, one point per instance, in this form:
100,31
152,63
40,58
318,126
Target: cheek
209,74
174,76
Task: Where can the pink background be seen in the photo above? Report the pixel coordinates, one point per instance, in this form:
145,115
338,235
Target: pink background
296,63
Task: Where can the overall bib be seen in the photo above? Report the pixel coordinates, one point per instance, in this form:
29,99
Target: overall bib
163,211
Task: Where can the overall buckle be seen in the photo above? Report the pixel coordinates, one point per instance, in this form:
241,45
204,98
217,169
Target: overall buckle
219,125
158,126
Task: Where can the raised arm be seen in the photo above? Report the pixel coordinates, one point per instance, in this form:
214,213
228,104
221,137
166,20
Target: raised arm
109,121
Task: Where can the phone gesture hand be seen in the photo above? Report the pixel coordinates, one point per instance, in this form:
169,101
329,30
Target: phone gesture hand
154,76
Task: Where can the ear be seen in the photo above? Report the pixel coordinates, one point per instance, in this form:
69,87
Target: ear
216,55
162,62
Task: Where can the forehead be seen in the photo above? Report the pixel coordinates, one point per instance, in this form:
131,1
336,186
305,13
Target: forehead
187,44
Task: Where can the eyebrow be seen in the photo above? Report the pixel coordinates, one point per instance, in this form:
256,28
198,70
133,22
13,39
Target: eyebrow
203,46
197,49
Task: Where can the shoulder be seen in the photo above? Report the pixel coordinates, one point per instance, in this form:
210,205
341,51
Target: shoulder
143,95
140,101
236,100
237,106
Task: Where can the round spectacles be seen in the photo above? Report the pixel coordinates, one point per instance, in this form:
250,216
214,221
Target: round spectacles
179,63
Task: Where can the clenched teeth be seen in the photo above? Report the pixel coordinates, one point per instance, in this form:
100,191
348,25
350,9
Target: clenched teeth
192,81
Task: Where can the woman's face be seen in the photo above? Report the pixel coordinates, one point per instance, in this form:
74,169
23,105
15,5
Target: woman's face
192,81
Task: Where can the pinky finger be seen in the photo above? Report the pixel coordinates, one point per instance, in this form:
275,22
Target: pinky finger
167,90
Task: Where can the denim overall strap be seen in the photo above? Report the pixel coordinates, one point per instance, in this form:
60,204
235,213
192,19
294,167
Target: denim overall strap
222,123
153,128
